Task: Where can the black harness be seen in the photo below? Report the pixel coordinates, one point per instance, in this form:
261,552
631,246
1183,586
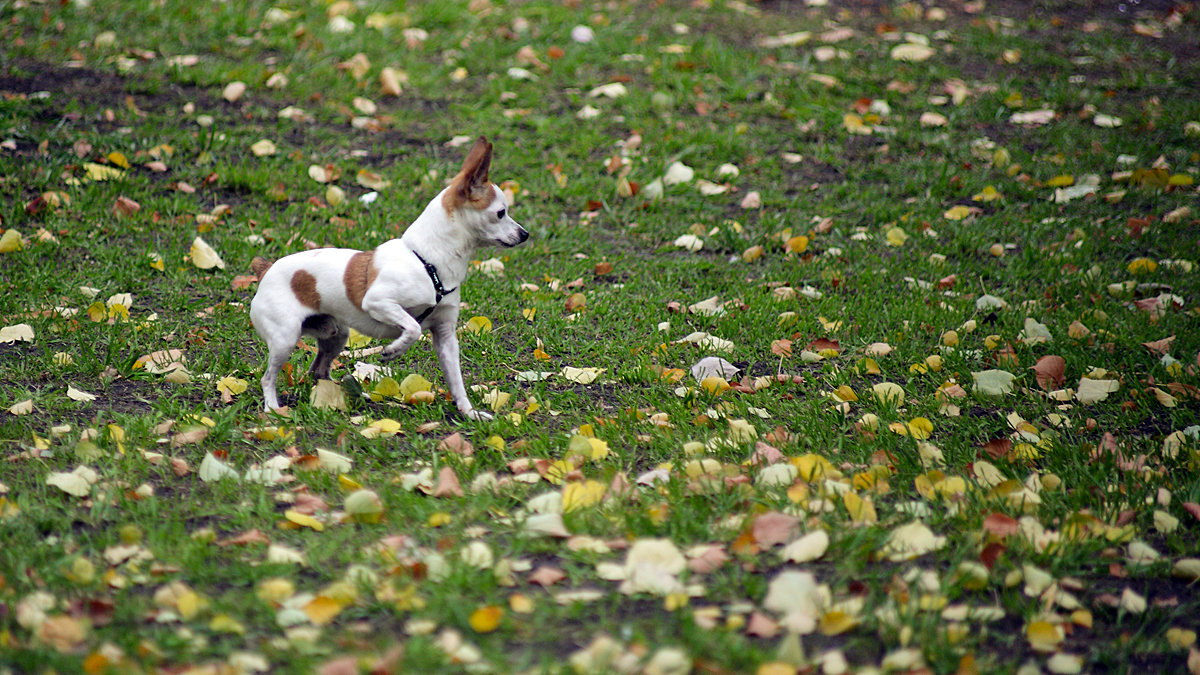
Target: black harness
439,291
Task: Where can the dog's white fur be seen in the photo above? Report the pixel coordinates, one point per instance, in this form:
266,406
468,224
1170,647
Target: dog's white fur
325,292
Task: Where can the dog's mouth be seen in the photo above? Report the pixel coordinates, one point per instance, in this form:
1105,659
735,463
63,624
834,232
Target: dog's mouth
522,235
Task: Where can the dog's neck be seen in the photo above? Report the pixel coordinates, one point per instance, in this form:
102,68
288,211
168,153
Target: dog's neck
447,248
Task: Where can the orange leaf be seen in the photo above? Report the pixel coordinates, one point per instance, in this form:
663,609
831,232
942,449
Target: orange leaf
1049,371
782,348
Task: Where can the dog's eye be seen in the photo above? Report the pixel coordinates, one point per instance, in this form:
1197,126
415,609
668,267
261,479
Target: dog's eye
500,214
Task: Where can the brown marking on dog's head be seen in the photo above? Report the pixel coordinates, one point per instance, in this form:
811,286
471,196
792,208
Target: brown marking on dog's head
471,186
359,275
304,286
259,266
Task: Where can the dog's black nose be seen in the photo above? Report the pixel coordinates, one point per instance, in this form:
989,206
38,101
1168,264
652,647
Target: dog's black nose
524,235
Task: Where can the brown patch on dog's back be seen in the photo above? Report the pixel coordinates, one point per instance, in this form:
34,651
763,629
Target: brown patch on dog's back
360,274
259,266
304,286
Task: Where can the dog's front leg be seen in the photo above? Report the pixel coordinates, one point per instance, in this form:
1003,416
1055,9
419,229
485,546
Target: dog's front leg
445,343
392,314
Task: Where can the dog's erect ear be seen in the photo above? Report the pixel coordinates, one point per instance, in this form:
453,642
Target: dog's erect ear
471,185
478,162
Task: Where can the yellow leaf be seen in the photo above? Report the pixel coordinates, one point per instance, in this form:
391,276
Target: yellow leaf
528,313
1061,181
836,623
1142,266
347,483
540,355
988,194
101,172
860,510
520,603
371,180
190,604
156,261
486,619
896,236
439,519
920,428
797,244
1043,636
957,212
714,385
1181,180
412,384
232,385
357,340
479,324
386,387
10,241
582,494
97,311
223,623
845,393
322,609
854,124
118,159
812,467
869,367
275,589
304,520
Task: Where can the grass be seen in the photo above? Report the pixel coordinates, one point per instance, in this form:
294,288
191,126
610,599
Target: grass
146,570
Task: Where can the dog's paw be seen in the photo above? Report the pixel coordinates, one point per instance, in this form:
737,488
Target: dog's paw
477,415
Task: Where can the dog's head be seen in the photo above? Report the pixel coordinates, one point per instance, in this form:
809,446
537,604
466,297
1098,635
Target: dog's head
478,204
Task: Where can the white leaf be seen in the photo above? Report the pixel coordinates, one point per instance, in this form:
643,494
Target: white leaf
213,469
1092,391
610,90
1035,333
993,382
713,366
21,407
581,375
204,256
807,548
677,173
263,148
708,307
912,52
21,332
72,483
785,40
911,541
1032,117
79,395
990,302
533,375
1107,121
690,242
333,462
546,524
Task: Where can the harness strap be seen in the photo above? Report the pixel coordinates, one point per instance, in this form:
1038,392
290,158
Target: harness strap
439,291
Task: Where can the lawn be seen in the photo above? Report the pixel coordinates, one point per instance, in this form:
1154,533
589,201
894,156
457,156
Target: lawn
850,338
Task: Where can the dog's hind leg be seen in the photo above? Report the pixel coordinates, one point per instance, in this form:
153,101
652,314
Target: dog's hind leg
281,340
327,350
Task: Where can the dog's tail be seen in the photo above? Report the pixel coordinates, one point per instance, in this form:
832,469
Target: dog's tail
260,265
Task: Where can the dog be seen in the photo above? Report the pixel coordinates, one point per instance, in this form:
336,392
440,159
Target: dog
394,292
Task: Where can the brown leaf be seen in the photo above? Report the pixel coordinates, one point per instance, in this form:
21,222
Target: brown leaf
761,625
998,448
1192,508
765,454
1160,347
1000,525
243,281
782,348
1050,371
775,528
125,207
447,485
190,436
456,444
308,504
343,665
824,343
180,466
991,553
254,536
546,576
711,559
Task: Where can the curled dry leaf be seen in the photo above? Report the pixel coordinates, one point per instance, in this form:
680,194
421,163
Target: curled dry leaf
1049,371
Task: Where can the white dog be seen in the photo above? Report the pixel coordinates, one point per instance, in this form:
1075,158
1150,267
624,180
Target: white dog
394,292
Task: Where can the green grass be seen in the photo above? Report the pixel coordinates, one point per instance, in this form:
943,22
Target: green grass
79,83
